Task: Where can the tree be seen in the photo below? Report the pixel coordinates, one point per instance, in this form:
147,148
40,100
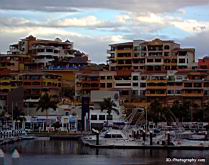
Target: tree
68,92
18,116
158,113
2,117
205,112
108,105
155,111
47,101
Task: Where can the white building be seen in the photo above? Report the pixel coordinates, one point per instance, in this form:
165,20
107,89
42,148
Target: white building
98,117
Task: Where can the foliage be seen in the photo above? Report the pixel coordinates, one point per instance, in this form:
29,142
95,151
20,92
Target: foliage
158,113
68,92
109,105
47,101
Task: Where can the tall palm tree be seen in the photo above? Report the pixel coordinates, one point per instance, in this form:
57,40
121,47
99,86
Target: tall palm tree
18,117
47,101
109,105
2,117
205,112
158,113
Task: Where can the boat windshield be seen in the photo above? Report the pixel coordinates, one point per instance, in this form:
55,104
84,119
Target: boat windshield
113,136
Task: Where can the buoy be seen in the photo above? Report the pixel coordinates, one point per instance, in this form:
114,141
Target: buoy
15,154
1,154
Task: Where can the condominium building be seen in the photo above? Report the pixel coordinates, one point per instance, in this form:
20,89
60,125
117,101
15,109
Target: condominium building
155,55
150,69
35,84
42,51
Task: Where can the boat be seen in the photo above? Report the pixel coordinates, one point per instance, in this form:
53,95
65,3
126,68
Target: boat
116,138
121,138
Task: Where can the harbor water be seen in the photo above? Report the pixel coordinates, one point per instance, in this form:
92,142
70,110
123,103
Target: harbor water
43,151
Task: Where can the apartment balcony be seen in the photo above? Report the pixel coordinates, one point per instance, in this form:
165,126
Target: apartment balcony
90,88
9,87
124,58
124,51
90,81
156,95
157,87
157,81
110,51
47,54
192,94
124,64
111,57
170,64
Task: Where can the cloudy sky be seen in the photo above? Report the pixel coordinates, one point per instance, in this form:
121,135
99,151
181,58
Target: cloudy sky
94,24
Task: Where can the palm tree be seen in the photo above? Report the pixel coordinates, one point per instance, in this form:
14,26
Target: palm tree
205,112
108,105
158,113
47,101
2,118
18,116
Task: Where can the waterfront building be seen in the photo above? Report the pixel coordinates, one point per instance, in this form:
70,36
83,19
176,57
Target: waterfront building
98,117
145,70
156,55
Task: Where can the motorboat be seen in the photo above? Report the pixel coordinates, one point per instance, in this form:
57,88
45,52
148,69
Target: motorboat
121,138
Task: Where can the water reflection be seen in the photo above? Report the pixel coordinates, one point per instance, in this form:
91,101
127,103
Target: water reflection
43,151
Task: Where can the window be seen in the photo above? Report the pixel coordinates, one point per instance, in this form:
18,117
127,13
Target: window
157,60
135,84
102,77
178,91
101,117
135,77
117,136
109,85
143,85
123,84
181,60
102,85
35,83
197,85
109,77
107,136
144,77
187,84
149,60
109,117
93,117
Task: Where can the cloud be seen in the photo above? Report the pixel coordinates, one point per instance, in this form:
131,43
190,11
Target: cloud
155,6
160,21
199,41
91,22
95,47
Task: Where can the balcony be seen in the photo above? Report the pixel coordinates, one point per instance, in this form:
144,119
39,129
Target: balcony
192,94
90,88
157,81
123,57
157,87
124,63
110,51
124,51
155,95
90,81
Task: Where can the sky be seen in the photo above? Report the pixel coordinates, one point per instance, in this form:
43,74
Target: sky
94,24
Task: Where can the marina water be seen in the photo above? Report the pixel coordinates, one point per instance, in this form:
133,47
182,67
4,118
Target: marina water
43,151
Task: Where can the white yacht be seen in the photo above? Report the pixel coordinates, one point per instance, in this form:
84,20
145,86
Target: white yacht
120,138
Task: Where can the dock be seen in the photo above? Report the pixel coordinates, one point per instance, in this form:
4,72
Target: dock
165,147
